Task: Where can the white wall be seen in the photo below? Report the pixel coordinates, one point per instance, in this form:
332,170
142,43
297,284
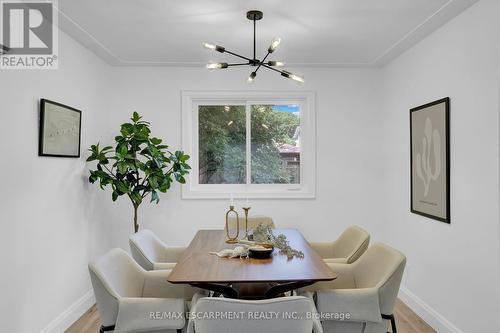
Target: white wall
52,221
453,269
348,127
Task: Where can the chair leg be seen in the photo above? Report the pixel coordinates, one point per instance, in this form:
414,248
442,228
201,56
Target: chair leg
393,325
393,322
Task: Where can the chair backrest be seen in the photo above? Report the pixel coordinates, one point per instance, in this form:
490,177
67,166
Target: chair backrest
351,244
381,267
253,221
146,248
113,276
250,315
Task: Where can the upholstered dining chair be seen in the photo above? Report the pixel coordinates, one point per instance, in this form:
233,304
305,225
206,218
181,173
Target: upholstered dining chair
366,290
351,244
126,295
247,316
151,253
253,221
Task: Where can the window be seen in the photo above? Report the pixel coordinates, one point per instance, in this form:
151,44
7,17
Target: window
249,144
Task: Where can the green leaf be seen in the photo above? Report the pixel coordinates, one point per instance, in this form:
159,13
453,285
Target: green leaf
114,195
123,150
122,167
101,157
154,197
179,178
153,181
127,129
101,174
140,188
135,117
93,177
155,141
120,185
136,197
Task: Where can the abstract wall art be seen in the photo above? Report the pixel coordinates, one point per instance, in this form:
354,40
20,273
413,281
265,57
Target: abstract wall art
430,160
60,128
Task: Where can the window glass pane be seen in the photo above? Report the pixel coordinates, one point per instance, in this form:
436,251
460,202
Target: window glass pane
222,145
275,156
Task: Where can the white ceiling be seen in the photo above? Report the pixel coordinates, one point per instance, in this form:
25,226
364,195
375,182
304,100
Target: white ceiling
314,33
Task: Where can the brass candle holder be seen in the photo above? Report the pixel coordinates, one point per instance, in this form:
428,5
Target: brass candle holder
246,209
232,240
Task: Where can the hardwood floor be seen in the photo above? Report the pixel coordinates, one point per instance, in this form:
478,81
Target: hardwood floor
406,320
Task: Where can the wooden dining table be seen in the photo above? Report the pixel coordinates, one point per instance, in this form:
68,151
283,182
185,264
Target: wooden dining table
248,278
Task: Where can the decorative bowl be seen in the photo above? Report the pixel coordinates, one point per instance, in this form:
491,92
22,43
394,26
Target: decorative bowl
260,252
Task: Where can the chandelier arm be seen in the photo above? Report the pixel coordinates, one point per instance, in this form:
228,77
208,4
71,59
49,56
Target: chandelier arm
272,68
239,56
262,62
240,64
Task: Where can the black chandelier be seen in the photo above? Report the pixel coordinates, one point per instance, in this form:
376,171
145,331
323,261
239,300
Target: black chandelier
253,15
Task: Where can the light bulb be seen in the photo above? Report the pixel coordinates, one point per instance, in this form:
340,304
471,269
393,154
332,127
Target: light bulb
217,65
297,78
213,47
208,46
251,77
292,76
274,45
276,63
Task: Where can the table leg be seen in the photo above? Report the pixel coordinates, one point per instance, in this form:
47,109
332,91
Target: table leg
282,288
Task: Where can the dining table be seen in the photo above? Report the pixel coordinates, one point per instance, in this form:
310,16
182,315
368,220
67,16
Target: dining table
248,278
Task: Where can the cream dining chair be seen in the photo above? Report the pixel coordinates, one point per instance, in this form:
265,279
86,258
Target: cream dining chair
253,221
126,295
366,290
151,253
351,244
251,315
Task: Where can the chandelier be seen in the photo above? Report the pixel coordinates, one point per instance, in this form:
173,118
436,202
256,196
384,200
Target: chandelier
253,15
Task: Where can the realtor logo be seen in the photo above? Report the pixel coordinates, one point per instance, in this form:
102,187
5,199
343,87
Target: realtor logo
29,34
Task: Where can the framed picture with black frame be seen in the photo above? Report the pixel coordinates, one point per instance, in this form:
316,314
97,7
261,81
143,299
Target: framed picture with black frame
60,130
430,160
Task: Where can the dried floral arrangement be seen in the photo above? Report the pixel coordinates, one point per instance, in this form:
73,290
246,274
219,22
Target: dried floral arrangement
264,234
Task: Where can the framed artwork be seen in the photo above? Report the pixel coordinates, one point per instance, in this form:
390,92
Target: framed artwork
430,160
60,129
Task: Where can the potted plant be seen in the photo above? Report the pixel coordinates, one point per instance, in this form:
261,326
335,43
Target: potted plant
139,165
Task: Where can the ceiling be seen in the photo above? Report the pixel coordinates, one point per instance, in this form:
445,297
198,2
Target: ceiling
336,33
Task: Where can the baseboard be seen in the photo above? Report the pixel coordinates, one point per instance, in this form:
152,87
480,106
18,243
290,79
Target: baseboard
428,314
68,317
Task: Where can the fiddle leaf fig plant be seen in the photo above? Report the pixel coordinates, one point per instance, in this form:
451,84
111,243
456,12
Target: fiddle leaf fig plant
139,165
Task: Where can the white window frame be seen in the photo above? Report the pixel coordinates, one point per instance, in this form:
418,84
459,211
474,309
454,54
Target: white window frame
307,187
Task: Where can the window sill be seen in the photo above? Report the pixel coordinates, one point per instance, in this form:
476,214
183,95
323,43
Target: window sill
292,193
